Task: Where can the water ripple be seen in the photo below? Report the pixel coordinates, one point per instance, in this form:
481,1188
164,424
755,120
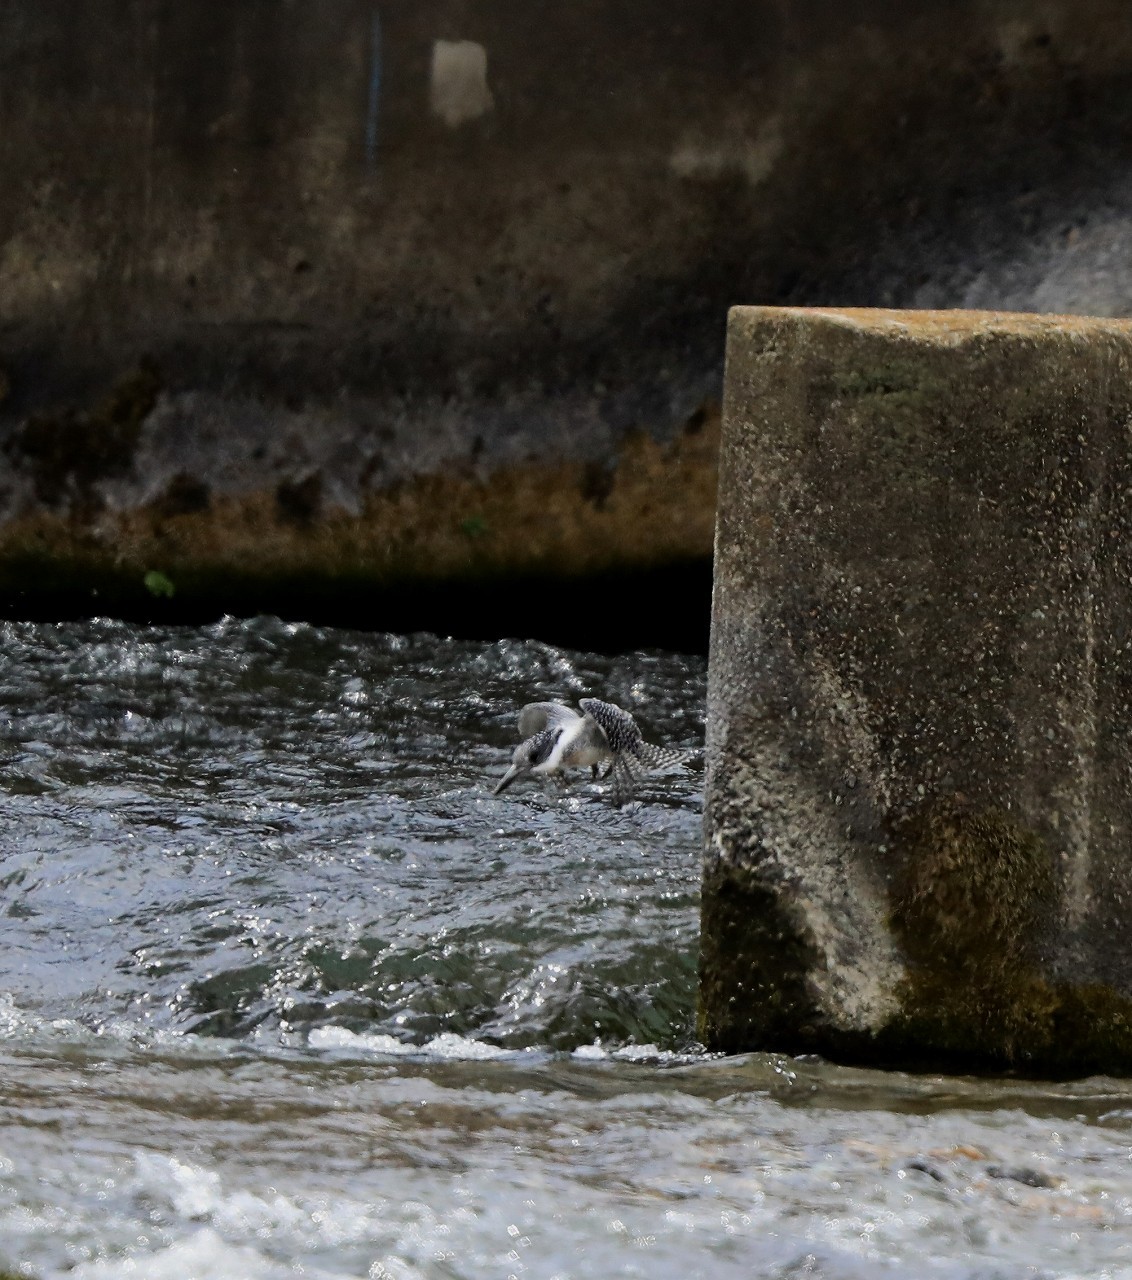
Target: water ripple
262,826
286,988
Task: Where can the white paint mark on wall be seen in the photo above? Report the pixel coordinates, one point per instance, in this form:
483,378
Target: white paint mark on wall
458,85
754,158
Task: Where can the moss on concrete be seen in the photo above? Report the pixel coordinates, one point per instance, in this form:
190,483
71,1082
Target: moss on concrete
1091,1030
969,909
754,962
972,910
1023,1024
975,890
893,385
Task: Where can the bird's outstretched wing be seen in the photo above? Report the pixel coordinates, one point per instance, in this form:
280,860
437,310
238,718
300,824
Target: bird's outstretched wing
537,716
625,739
619,726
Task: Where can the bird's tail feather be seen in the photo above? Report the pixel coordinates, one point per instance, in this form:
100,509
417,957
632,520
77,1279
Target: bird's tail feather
657,758
626,773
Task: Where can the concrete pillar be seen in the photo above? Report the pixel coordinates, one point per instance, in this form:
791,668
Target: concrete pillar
919,791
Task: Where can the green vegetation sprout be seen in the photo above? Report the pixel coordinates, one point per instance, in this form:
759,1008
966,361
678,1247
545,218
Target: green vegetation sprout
158,585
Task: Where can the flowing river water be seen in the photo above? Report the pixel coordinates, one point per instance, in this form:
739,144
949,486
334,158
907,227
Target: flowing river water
285,990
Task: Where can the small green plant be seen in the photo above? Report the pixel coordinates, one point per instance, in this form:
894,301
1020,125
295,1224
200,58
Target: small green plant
158,585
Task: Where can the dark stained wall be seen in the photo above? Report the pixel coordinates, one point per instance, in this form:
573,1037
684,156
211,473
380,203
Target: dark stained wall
360,243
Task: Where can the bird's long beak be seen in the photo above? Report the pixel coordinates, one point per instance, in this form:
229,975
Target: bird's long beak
507,779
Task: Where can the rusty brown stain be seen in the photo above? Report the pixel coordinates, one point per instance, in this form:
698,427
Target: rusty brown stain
935,324
659,508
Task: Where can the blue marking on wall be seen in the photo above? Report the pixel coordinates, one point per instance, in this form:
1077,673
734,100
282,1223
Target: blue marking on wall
374,90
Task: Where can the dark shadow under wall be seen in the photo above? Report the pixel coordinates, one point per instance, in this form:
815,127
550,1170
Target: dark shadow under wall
610,612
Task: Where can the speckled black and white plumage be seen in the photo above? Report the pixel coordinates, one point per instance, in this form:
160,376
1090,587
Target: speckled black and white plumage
625,738
540,745
619,726
555,738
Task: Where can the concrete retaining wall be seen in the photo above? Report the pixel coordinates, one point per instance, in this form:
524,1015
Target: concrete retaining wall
919,792
347,297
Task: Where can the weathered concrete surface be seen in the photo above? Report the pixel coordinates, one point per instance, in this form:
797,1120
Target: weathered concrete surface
103,499
367,251
919,767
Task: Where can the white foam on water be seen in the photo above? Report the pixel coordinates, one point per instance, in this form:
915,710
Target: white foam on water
302,1224
21,1024
591,1053
357,1042
139,1034
447,1047
648,1054
227,1223
456,1048
197,1194
205,1255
